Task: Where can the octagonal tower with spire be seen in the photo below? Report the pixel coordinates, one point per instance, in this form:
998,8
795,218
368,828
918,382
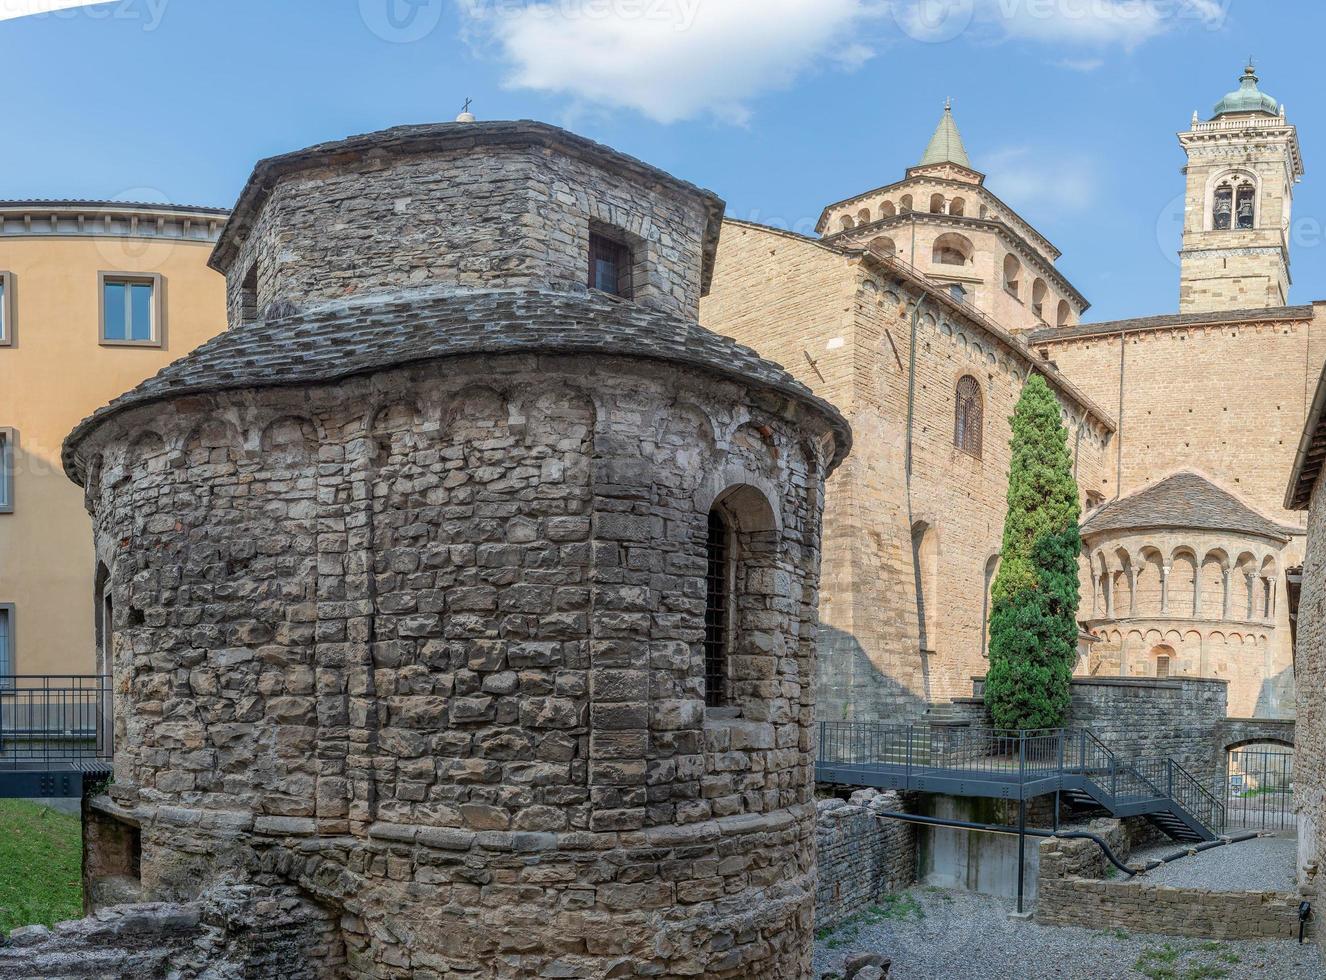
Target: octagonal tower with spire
943,220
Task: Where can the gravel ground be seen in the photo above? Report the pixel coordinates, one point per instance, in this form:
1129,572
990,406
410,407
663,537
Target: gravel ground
1262,865
934,934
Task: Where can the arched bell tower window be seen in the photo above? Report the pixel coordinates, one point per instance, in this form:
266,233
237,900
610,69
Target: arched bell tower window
718,596
1244,208
967,421
1221,215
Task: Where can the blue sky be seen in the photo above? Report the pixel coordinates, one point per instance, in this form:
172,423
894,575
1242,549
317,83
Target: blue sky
781,106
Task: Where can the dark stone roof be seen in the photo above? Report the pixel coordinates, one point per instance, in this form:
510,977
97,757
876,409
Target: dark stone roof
406,140
1270,314
1184,500
347,340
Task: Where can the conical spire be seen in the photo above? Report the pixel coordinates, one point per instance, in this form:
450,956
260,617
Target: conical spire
946,145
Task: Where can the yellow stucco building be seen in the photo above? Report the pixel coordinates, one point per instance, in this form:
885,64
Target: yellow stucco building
97,296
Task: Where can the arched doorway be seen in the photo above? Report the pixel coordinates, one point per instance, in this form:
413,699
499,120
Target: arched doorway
1259,784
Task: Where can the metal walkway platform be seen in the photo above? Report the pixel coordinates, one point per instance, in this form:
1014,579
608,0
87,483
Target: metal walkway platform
1021,765
54,735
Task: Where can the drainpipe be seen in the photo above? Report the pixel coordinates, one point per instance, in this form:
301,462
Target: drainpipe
1118,433
911,394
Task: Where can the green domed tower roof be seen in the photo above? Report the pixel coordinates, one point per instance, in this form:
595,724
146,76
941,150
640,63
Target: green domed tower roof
946,145
1247,98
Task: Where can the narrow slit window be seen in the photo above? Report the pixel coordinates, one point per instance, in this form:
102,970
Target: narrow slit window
609,266
6,645
717,598
6,471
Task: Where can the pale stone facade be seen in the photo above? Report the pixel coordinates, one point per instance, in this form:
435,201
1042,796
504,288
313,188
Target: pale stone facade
913,524
1215,391
423,638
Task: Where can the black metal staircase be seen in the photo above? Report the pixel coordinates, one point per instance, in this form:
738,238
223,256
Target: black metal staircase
1019,765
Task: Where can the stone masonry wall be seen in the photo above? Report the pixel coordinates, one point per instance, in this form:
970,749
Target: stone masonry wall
1147,718
423,645
1070,892
896,632
861,856
1310,729
507,216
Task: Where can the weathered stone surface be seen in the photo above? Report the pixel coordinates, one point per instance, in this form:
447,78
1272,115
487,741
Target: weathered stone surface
418,633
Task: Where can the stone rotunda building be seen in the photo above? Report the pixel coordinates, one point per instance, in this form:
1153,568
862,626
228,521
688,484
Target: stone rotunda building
462,595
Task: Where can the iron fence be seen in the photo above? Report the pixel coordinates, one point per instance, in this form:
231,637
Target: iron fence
53,719
1046,758
1259,788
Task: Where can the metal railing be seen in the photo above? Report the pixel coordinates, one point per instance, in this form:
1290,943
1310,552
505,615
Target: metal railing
1052,759
50,720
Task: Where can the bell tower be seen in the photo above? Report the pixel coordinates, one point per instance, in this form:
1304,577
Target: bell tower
1243,164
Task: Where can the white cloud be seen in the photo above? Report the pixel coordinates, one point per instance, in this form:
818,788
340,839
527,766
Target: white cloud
1037,183
671,59
1092,23
10,9
1081,64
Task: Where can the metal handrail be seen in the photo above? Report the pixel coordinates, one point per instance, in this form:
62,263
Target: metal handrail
54,720
1018,757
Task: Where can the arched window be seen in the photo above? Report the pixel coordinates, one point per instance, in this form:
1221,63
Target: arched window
1038,290
957,292
1012,270
718,595
1223,208
863,216
1243,206
905,204
1065,314
884,244
1162,666
952,249
957,206
845,222
936,203
887,210
967,416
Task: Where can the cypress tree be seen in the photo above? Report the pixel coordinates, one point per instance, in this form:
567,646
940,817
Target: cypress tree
1033,612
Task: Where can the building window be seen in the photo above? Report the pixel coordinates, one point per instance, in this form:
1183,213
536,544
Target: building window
1244,207
130,310
967,416
1162,666
718,594
957,292
610,265
6,471
6,309
1012,268
6,645
1224,207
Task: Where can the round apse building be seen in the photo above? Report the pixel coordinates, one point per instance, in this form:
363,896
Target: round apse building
465,588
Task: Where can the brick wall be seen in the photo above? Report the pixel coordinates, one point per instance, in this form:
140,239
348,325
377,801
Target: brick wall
861,856
1071,892
1310,733
896,633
